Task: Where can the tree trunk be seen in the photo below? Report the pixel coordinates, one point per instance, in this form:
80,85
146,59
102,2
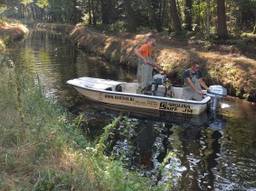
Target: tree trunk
174,16
164,13
221,21
208,17
188,15
107,11
254,28
76,13
155,8
94,12
130,18
90,12
197,16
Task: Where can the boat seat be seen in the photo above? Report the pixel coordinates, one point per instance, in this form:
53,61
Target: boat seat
177,92
130,87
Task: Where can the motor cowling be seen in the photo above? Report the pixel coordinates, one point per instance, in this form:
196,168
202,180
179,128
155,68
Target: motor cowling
216,92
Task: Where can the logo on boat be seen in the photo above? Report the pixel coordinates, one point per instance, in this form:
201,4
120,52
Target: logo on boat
118,97
184,108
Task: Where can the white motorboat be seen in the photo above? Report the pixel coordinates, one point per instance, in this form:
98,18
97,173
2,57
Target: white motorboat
124,94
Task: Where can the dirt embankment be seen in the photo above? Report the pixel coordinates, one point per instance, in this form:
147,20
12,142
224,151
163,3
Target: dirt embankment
11,32
221,64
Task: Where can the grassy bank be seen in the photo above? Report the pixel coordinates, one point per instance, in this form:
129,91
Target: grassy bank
41,148
11,32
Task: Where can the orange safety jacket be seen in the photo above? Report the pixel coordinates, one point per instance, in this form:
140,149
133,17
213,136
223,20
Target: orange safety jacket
145,50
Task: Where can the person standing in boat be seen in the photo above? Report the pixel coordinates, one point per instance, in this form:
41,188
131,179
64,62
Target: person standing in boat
193,83
145,64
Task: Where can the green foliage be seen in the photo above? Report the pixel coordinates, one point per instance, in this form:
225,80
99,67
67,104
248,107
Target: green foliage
26,2
2,8
42,3
199,9
2,45
120,15
52,180
118,26
101,144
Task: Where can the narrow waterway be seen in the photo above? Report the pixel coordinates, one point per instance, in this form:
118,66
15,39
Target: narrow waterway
204,153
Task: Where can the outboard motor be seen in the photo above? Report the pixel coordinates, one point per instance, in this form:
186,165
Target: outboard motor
216,92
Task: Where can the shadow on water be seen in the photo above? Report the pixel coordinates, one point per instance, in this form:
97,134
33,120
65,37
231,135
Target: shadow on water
206,152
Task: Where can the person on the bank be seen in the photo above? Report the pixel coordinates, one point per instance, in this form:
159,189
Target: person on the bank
145,64
193,83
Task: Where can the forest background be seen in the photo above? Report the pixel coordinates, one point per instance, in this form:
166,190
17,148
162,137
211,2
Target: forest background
222,18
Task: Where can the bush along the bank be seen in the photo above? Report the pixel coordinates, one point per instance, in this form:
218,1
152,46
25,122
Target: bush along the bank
41,149
10,32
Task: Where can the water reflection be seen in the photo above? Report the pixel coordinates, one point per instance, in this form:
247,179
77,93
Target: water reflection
206,152
56,60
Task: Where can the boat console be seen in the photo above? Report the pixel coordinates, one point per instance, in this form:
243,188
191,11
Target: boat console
159,85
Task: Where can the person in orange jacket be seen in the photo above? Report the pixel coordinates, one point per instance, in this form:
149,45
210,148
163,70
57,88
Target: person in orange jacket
146,64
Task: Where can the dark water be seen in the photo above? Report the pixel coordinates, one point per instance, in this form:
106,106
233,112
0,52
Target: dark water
205,153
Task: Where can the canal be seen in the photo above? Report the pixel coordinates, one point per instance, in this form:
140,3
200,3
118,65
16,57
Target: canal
205,153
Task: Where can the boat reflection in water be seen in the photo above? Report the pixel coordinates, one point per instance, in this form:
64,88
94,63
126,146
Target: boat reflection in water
206,119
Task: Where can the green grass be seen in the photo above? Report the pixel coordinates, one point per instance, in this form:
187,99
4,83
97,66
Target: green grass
2,45
41,148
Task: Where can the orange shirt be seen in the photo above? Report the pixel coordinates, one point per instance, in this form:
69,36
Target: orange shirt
145,50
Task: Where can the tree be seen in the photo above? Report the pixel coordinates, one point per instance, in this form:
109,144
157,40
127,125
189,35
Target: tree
107,11
174,16
157,13
130,16
188,15
245,14
208,17
221,20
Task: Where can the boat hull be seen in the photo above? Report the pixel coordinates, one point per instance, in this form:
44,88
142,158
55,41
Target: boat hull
145,102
